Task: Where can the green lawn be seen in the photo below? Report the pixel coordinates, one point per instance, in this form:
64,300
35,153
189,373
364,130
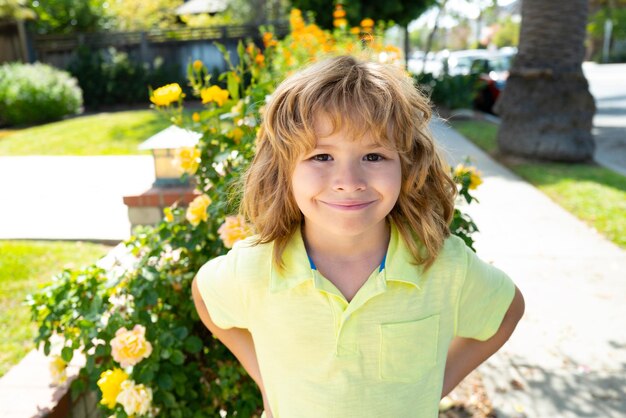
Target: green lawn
104,133
594,194
24,266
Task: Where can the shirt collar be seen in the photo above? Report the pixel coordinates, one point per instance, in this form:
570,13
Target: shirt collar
399,265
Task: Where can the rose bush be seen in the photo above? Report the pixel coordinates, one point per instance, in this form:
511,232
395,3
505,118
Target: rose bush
147,353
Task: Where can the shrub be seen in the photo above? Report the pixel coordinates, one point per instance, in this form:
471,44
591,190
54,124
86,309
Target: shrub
136,321
111,77
452,92
36,93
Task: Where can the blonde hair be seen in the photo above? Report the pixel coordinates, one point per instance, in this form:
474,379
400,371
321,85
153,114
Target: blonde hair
360,97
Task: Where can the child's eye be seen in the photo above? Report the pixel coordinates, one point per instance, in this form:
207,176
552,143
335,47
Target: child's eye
374,157
321,157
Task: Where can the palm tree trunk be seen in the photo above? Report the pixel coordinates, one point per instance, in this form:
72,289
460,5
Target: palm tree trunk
546,107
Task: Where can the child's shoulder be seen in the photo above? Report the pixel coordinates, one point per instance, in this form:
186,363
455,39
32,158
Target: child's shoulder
453,246
247,259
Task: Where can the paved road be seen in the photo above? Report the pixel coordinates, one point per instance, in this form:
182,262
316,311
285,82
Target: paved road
607,83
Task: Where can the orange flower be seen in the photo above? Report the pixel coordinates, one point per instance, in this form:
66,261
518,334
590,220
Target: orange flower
295,20
197,65
251,48
339,12
195,117
367,38
268,40
355,30
259,59
367,23
340,23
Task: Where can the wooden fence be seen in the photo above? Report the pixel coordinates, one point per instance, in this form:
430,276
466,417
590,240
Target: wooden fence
172,46
12,42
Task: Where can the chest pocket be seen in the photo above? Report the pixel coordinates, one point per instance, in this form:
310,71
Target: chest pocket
408,349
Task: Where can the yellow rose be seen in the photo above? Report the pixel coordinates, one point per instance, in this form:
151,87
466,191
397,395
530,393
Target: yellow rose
236,135
462,170
195,117
214,94
130,347
187,159
166,95
58,370
197,65
110,385
196,212
136,399
234,228
169,216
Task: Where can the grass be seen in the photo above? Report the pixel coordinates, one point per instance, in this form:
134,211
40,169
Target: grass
595,194
105,133
24,267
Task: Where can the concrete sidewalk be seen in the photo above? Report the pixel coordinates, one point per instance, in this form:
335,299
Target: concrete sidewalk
568,355
70,198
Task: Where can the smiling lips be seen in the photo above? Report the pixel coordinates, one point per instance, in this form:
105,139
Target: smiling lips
349,205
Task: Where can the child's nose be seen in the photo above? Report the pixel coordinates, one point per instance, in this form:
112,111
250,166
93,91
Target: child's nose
348,178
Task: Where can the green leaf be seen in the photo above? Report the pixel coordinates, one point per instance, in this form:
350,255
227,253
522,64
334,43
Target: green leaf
165,381
180,332
166,339
177,358
240,49
193,344
145,375
66,354
90,364
77,387
233,85
180,390
101,350
151,297
168,399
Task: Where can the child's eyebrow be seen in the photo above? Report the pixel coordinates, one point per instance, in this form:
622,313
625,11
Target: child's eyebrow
368,145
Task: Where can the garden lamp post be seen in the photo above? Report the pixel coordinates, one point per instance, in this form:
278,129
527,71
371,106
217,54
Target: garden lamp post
163,146
168,189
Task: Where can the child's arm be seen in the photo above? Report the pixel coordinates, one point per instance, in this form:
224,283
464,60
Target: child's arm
465,354
237,340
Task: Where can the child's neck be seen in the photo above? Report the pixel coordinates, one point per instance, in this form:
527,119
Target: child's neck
370,245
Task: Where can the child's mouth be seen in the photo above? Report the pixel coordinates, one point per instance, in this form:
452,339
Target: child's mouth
349,205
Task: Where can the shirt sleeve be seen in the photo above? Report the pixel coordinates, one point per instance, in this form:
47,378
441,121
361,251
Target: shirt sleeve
221,292
485,297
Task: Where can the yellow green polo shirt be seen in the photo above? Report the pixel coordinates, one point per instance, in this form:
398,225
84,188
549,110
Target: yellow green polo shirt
380,355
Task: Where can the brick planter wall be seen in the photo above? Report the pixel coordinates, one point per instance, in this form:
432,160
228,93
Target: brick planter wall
147,208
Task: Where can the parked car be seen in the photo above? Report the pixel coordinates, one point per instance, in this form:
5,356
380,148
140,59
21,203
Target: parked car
431,63
492,69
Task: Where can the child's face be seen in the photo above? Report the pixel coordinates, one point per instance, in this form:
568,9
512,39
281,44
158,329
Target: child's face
344,186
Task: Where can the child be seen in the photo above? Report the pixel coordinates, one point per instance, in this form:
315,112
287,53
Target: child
353,300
